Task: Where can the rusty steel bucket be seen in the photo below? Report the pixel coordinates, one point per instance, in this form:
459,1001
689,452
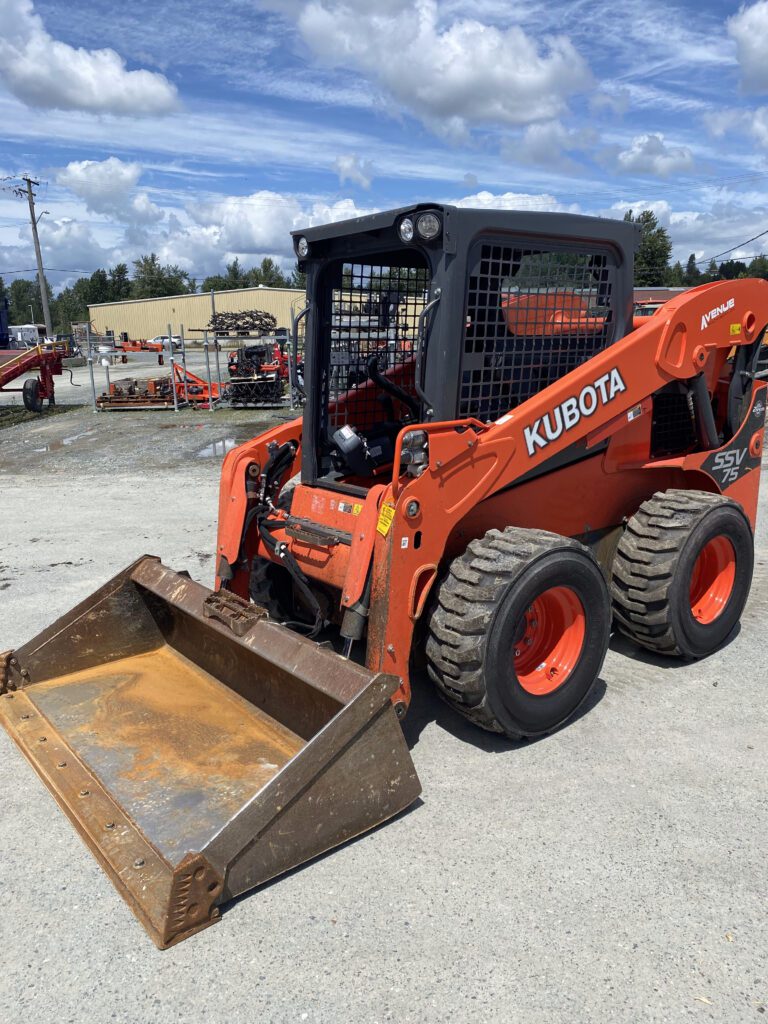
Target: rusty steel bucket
198,748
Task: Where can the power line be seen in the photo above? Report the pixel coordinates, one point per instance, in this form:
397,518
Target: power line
48,270
733,248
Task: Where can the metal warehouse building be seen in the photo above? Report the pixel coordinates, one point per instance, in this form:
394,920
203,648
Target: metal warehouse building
146,318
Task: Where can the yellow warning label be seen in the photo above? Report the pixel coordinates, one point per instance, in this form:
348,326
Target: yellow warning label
735,329
357,509
386,516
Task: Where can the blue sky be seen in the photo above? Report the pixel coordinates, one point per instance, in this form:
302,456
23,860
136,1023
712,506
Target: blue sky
203,131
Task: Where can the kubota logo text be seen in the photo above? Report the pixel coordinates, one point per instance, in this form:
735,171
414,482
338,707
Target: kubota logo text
567,415
713,314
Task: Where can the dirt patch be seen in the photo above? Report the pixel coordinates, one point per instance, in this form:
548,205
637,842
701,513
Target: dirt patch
12,415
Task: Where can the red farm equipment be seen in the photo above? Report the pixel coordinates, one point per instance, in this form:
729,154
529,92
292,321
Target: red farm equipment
47,359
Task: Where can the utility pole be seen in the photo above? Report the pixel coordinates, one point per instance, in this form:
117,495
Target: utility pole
39,255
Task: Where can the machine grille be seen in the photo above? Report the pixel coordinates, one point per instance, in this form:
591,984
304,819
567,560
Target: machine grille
532,316
673,426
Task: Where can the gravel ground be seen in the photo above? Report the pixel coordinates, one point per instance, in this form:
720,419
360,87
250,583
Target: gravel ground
613,872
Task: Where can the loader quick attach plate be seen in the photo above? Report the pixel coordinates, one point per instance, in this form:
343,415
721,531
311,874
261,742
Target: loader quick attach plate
198,748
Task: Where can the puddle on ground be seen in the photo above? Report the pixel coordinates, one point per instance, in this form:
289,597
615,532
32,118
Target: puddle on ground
219,447
63,442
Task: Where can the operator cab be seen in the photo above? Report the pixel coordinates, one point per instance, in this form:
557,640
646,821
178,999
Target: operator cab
433,312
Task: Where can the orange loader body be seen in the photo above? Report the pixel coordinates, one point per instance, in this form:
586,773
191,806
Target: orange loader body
462,494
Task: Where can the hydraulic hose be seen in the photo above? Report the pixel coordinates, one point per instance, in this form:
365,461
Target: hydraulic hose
280,459
281,551
391,388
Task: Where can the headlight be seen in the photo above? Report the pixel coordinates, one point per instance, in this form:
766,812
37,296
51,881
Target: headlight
415,439
428,225
414,452
406,229
302,247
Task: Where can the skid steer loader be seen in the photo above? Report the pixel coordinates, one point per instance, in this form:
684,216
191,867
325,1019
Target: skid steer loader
522,471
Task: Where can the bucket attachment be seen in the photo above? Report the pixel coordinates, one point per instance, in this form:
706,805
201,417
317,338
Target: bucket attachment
198,748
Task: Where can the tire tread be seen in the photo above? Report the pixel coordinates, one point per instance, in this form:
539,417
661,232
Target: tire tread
645,561
466,603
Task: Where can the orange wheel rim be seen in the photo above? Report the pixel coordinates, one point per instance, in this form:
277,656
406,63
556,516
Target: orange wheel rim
550,640
712,580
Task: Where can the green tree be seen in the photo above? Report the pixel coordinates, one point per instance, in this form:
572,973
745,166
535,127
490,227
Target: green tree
729,270
119,283
267,273
71,306
99,289
676,276
758,267
298,278
234,277
3,290
153,280
712,273
652,257
22,294
692,274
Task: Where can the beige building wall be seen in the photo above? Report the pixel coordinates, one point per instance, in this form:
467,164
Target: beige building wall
146,318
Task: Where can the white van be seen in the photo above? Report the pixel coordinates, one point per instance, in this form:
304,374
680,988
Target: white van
24,335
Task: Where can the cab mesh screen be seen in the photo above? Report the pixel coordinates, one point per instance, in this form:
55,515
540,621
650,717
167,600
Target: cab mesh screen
375,318
532,316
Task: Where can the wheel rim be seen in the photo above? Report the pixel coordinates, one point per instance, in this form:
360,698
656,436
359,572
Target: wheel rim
550,640
712,580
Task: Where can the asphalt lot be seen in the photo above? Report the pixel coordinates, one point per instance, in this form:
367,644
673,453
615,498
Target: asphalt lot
613,872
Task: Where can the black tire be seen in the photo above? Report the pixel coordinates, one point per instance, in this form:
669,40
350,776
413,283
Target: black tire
481,611
654,566
30,395
270,586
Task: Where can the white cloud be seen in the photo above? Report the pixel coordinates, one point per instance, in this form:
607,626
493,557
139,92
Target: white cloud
650,154
106,186
351,168
723,220
257,225
515,201
749,30
71,244
453,74
101,183
610,99
721,122
729,121
660,207
548,144
43,72
759,126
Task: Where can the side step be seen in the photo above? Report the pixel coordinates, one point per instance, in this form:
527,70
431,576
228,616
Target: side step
199,748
